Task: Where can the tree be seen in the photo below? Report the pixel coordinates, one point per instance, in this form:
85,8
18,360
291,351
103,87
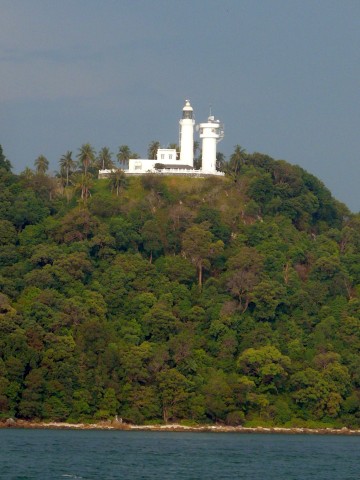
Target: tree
27,174
152,234
159,322
118,180
261,189
41,164
124,155
76,226
8,234
237,160
266,366
198,246
152,149
220,161
174,391
4,162
218,396
86,157
89,328
108,406
27,209
31,404
67,165
317,393
83,183
104,159
267,295
244,274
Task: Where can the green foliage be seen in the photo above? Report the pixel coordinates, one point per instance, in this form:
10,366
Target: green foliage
233,300
41,164
86,157
4,162
104,159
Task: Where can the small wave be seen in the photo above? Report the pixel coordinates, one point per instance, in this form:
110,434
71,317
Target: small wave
70,476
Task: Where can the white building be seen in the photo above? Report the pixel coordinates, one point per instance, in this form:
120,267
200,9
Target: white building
164,157
186,136
211,132
169,161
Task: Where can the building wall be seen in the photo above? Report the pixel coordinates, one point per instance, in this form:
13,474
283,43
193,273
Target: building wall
141,165
166,156
187,141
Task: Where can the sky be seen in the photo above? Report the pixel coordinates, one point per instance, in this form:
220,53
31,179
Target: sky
283,76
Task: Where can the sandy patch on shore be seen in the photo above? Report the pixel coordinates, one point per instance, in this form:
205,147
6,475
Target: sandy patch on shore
11,423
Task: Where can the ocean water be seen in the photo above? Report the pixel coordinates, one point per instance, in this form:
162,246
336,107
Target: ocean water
64,454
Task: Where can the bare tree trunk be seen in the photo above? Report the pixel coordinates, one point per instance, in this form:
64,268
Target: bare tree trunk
286,273
165,414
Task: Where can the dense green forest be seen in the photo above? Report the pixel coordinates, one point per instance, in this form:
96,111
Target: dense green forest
157,298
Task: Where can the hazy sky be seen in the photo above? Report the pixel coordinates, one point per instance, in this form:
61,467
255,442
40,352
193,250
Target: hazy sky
284,77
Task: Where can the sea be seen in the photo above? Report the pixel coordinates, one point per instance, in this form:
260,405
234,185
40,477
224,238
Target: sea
84,454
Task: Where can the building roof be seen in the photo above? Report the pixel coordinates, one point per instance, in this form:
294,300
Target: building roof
175,166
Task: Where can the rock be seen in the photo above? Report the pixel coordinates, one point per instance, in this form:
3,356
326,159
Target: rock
10,422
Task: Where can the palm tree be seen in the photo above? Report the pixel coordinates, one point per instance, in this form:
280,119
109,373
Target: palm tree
83,183
118,180
67,165
220,161
86,156
27,174
152,149
124,155
104,159
237,160
41,164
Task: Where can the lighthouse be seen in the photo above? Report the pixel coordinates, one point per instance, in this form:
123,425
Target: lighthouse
211,132
167,161
187,135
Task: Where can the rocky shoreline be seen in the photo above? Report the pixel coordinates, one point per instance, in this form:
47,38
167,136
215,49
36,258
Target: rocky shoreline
115,425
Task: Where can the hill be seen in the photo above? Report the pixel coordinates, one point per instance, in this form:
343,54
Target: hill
232,300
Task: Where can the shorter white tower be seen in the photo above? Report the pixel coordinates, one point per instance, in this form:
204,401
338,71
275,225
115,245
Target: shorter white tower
187,135
211,133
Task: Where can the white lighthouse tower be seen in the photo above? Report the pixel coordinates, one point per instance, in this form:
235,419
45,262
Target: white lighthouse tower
187,135
211,133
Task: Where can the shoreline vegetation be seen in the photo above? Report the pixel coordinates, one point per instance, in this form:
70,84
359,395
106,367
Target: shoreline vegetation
230,301
174,427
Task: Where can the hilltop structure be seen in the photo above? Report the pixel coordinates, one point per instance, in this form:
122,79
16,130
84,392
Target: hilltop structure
168,160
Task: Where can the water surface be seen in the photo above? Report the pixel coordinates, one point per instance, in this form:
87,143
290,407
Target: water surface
61,454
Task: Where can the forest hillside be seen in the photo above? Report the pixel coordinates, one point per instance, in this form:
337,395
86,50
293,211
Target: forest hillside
157,298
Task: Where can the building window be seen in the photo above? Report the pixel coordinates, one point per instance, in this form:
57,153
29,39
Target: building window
162,156
170,156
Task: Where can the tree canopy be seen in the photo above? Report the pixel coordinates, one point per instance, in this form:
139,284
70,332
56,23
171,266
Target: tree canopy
229,299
